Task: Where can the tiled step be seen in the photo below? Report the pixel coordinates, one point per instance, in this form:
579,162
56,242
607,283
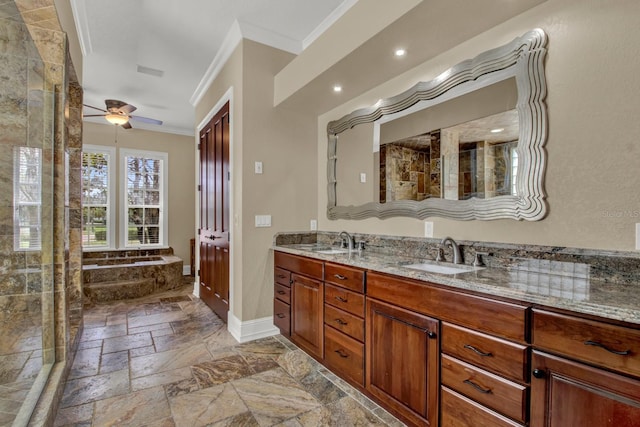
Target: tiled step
119,290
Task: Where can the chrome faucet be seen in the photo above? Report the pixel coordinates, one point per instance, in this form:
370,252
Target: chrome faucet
448,241
351,242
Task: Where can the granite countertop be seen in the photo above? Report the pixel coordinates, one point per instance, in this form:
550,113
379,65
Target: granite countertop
562,285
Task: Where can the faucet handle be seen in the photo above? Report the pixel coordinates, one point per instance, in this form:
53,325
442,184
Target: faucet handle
440,254
477,261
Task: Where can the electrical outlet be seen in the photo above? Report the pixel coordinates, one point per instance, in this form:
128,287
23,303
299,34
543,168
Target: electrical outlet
637,236
363,177
313,225
258,167
428,229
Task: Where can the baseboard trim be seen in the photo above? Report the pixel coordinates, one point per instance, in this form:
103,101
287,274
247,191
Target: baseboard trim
251,329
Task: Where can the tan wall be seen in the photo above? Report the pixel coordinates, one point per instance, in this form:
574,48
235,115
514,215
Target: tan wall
181,191
230,78
284,141
593,156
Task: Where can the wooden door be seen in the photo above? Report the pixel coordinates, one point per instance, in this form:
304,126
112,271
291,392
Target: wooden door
214,213
402,361
306,314
570,394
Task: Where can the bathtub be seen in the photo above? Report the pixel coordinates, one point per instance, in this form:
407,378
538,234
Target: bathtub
126,274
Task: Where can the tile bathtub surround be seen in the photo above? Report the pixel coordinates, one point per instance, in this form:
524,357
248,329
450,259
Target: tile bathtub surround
617,267
167,360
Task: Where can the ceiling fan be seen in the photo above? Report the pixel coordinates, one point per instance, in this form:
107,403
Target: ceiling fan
119,114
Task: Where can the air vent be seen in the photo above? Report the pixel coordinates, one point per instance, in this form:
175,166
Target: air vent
151,71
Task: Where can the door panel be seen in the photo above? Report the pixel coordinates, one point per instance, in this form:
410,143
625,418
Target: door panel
214,213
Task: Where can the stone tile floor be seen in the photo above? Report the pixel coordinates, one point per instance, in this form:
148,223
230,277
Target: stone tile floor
167,360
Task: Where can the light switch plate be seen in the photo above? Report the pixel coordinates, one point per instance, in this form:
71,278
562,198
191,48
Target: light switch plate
428,229
363,177
637,236
258,167
263,220
313,225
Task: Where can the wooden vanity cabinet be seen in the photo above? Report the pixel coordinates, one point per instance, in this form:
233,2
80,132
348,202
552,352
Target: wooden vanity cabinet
402,362
344,332
299,312
593,377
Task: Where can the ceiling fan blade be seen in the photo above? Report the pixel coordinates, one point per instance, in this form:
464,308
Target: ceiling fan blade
146,120
93,115
114,104
126,126
128,109
95,108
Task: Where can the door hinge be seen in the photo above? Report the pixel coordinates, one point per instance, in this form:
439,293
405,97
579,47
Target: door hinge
228,176
199,146
198,272
198,231
199,187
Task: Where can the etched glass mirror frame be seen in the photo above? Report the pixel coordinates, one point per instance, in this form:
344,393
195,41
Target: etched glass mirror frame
524,59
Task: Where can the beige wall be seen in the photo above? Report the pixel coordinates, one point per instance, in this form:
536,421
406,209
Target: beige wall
593,155
284,141
181,191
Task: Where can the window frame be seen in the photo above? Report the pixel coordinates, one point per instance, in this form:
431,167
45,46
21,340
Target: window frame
112,225
163,217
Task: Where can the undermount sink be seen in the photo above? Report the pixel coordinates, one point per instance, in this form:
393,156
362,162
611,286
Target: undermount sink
442,268
331,251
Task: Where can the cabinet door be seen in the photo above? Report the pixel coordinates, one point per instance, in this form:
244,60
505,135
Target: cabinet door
306,314
402,361
570,394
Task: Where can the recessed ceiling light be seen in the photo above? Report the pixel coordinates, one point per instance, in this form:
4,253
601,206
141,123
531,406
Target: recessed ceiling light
400,52
498,130
337,88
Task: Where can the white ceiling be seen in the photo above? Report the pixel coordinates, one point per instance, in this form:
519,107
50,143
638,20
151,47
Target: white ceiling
181,39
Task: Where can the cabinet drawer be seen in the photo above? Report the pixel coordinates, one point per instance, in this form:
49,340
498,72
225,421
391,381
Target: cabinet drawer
283,293
491,353
282,316
344,322
282,276
346,277
344,354
497,393
588,340
344,299
459,411
504,319
297,264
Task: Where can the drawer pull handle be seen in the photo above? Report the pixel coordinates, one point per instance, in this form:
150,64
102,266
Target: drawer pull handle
597,344
477,387
281,276
340,322
341,299
280,315
475,350
281,292
340,277
341,353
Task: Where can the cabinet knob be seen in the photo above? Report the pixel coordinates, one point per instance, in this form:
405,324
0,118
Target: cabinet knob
538,373
431,334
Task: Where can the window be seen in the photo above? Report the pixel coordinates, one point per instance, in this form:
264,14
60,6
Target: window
98,226
27,198
144,193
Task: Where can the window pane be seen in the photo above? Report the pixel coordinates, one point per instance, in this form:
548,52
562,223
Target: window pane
27,193
95,199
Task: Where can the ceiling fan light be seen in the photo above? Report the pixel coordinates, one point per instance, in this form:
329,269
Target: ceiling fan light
116,119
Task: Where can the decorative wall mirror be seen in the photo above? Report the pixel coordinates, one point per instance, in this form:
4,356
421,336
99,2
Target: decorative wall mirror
465,145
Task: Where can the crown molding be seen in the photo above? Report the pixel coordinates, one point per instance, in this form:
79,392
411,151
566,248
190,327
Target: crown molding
231,40
82,26
328,22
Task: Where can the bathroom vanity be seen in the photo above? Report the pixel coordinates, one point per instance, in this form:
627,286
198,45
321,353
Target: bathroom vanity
475,348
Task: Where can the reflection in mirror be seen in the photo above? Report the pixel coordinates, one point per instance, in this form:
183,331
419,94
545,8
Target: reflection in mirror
466,145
